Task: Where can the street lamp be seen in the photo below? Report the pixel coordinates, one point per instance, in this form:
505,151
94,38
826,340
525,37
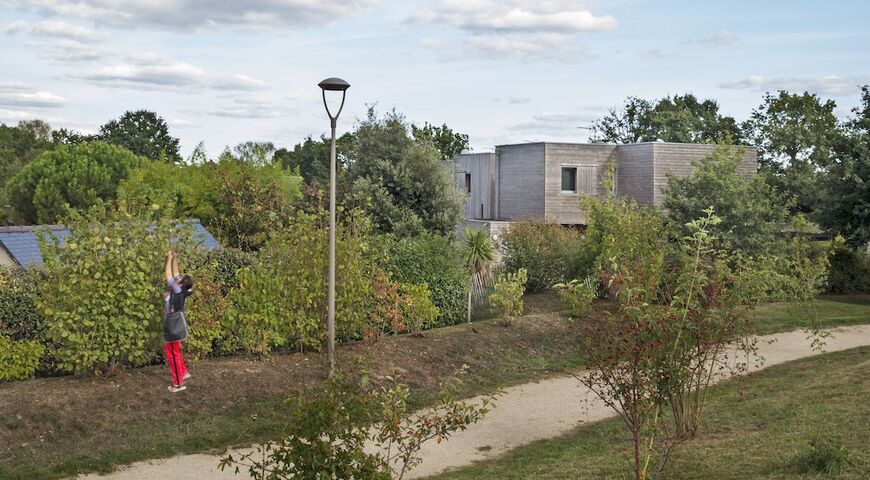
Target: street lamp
332,85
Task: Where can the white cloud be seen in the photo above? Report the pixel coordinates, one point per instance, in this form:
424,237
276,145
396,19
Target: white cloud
152,70
724,38
829,84
651,53
558,123
543,47
180,123
55,29
562,16
69,51
15,116
249,108
198,14
20,95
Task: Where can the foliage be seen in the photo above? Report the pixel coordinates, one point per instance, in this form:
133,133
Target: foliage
223,264
548,251
448,142
506,300
144,133
78,176
102,295
433,260
478,254
681,118
330,429
281,301
402,182
795,134
20,319
206,315
187,190
311,157
255,153
417,308
753,215
846,207
849,270
19,360
824,455
19,145
577,296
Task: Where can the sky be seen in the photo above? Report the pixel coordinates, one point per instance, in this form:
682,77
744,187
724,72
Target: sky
512,71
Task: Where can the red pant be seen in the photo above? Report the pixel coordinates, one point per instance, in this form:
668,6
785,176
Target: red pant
172,351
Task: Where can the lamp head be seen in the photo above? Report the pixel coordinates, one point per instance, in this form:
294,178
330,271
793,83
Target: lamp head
334,84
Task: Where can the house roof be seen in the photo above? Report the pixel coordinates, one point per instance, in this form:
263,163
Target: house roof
21,244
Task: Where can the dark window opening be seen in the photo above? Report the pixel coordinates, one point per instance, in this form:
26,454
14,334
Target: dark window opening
569,179
467,183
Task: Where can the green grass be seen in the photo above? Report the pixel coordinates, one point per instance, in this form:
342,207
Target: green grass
756,428
76,425
831,311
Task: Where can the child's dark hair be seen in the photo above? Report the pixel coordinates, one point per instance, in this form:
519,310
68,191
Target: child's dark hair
186,283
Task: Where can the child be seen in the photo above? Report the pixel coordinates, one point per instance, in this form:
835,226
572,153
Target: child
174,323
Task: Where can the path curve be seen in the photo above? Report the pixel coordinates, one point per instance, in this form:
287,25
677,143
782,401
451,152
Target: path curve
524,414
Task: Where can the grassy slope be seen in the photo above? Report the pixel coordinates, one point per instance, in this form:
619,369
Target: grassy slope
754,428
56,427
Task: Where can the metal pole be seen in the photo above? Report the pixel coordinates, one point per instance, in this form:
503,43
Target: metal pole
330,317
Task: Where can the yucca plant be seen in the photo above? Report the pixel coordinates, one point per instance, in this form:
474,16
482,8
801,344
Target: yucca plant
478,253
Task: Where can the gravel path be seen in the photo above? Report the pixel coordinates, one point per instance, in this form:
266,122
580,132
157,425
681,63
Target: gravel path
524,414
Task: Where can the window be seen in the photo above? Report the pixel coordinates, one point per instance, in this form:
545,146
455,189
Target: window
468,183
569,179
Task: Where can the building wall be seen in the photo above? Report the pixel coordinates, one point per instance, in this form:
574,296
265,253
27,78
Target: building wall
481,166
634,169
677,158
520,187
590,159
5,258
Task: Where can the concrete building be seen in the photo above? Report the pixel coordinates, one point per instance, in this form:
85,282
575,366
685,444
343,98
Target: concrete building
549,180
19,246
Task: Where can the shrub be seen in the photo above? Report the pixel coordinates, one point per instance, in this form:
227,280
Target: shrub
102,295
849,271
19,359
206,315
418,310
20,319
433,260
281,301
548,251
506,300
222,264
577,296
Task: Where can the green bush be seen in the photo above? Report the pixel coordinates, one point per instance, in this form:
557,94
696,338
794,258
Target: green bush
102,294
206,314
548,251
435,261
222,264
281,301
20,319
418,310
577,297
827,456
506,300
19,360
849,271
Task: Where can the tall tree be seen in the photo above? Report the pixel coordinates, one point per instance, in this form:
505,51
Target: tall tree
402,181
255,153
846,209
19,145
144,133
448,142
311,157
681,118
795,135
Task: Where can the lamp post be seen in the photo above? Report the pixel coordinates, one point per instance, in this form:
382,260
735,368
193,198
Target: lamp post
332,85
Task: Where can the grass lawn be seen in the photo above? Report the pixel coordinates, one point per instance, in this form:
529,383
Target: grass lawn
832,310
755,428
57,427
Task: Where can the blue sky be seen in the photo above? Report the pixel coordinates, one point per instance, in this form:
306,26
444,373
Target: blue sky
226,71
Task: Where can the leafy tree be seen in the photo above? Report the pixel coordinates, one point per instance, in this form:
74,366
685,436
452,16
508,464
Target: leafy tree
199,155
846,209
404,183
70,137
795,135
681,118
752,214
144,133
255,153
448,142
77,176
311,157
19,145
478,253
